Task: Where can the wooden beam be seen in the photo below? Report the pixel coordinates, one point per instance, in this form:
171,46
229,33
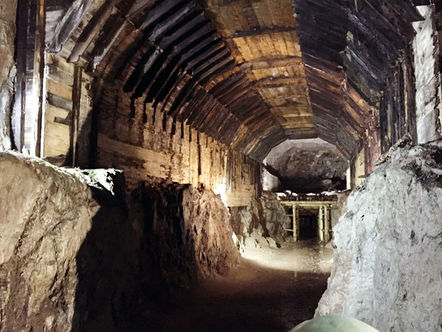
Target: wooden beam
39,72
271,62
91,30
76,104
69,23
262,31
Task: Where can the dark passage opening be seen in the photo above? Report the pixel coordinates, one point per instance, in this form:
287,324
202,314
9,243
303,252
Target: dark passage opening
308,223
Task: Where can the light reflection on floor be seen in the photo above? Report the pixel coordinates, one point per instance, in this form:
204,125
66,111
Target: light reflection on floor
303,256
270,290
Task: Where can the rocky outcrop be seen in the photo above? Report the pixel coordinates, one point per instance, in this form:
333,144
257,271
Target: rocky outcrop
308,165
187,231
46,214
339,206
387,269
7,69
68,256
74,256
262,223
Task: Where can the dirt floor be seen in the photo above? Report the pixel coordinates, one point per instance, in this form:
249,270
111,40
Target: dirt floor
271,290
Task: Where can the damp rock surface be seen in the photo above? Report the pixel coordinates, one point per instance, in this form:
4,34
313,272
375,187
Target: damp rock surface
387,269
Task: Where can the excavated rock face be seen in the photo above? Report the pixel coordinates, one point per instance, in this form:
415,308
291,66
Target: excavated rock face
262,223
73,257
387,269
187,231
7,69
67,252
309,165
45,216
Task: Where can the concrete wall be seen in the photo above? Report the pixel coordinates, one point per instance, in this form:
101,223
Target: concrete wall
428,88
7,69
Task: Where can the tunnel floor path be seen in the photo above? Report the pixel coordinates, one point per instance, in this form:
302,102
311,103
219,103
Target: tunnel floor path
270,290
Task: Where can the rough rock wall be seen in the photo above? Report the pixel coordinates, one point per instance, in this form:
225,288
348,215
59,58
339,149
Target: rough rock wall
7,69
68,256
45,216
387,269
262,223
187,231
309,165
339,206
73,257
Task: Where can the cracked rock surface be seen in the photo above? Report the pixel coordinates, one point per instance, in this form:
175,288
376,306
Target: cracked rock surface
262,223
75,256
45,216
388,267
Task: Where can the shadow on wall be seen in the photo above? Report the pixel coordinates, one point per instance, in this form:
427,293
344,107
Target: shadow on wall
109,291
125,276
85,152
141,255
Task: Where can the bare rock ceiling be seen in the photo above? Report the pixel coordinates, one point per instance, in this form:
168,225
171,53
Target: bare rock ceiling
250,73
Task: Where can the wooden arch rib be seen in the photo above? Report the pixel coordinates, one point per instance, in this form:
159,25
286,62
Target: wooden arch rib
168,53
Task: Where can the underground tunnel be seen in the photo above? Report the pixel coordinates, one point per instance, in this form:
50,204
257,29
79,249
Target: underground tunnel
220,165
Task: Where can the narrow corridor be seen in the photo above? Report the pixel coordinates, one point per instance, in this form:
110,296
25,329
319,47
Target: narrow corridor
271,290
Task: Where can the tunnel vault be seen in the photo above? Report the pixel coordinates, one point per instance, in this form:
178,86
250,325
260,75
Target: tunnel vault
247,74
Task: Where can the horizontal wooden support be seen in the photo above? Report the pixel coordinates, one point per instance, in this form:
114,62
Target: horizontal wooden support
309,203
262,31
271,62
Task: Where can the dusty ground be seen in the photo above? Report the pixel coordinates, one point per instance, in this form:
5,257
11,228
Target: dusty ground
271,290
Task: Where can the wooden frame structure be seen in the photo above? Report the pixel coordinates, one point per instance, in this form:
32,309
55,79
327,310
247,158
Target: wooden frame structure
324,225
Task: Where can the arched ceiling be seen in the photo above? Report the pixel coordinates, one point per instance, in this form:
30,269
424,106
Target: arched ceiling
246,72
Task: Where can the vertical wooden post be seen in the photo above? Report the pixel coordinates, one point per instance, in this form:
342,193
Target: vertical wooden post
326,223
295,222
39,69
28,117
76,104
19,110
321,223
